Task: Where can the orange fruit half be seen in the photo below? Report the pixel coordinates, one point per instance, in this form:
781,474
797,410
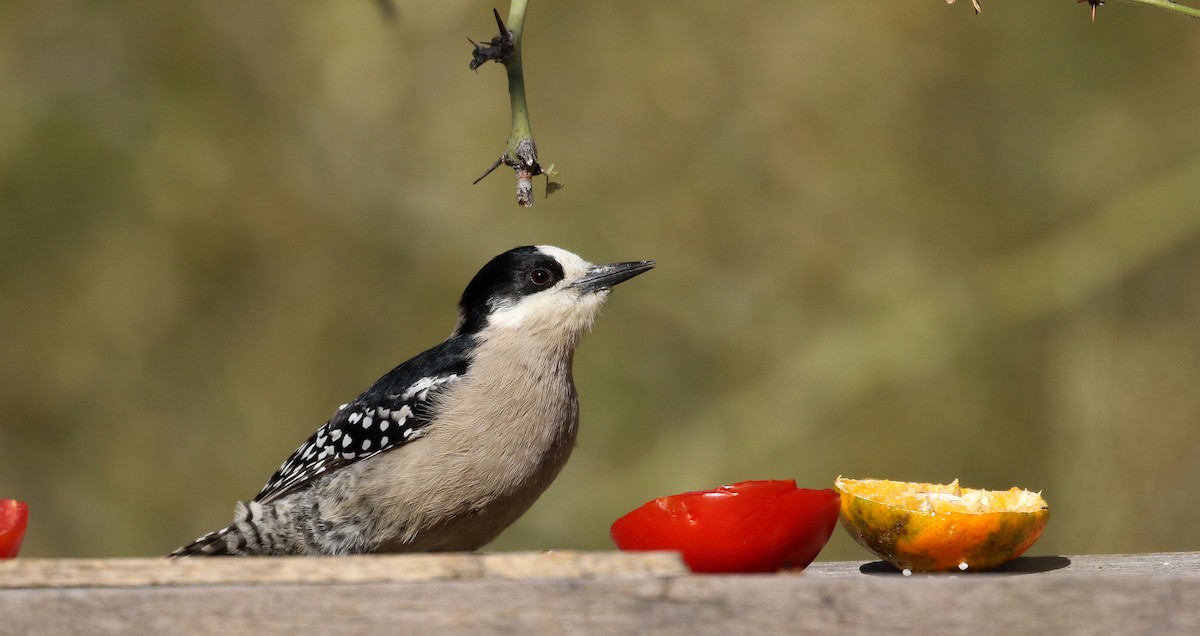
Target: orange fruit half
941,527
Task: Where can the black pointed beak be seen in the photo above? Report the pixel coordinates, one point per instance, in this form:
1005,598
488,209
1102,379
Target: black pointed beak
605,276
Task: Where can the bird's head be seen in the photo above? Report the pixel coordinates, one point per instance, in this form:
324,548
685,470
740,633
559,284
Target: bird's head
540,288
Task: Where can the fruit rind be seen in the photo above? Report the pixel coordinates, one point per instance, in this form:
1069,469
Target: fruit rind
939,527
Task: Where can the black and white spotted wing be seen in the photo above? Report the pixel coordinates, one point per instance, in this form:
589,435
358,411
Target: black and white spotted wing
393,412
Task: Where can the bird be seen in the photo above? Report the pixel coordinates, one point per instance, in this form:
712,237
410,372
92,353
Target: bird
449,448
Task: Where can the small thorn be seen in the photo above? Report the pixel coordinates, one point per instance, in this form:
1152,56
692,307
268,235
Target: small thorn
1094,4
500,23
492,167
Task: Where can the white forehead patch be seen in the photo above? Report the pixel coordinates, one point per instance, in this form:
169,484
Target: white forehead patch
573,266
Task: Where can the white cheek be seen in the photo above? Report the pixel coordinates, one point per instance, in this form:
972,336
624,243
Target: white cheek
556,309
509,317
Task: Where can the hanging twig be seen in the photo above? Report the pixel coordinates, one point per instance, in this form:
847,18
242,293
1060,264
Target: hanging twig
521,152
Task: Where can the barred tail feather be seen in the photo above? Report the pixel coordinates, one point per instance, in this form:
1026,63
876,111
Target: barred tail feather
212,544
240,538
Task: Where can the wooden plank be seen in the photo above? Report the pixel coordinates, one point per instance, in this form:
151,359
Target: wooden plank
24,573
632,605
592,593
27,573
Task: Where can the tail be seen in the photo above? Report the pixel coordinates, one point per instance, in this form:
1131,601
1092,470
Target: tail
243,537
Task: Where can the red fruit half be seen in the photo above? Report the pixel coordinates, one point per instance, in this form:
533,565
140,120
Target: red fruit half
751,526
14,515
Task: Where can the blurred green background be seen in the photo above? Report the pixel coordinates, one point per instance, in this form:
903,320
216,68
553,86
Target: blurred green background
894,240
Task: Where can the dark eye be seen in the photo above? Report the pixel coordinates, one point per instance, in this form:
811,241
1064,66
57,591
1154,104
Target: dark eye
540,277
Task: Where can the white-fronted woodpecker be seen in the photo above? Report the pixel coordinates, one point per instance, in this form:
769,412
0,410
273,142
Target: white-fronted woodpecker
448,449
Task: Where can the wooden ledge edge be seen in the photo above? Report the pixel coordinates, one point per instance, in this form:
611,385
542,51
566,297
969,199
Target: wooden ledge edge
139,572
527,566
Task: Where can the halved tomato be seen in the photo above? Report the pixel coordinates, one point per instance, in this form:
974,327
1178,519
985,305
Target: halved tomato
14,515
751,526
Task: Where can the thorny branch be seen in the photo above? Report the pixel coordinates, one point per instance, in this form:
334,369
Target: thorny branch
521,153
1168,5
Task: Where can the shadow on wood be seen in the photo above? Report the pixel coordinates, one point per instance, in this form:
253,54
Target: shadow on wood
1022,565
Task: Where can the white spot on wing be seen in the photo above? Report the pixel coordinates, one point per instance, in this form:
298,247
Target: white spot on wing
421,387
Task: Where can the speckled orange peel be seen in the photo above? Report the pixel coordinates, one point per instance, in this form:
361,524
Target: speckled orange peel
919,527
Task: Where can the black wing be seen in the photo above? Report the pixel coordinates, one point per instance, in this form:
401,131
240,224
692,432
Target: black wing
393,412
